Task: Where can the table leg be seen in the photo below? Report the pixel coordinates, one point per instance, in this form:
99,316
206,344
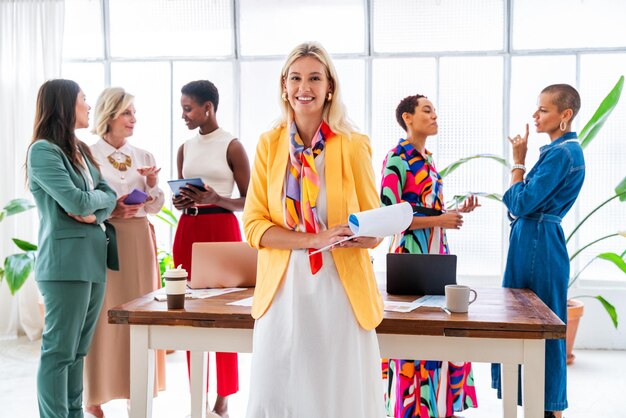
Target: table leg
197,380
141,372
509,390
534,378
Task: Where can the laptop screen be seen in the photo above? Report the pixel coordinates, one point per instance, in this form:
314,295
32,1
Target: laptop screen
420,274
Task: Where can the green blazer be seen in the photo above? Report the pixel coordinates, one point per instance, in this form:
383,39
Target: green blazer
70,250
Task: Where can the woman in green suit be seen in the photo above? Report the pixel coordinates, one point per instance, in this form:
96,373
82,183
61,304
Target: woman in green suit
75,245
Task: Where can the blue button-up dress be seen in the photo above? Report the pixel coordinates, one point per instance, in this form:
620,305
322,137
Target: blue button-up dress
537,257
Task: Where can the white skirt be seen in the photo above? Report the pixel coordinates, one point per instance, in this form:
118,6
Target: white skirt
310,356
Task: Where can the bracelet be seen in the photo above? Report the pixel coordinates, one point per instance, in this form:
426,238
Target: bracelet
518,167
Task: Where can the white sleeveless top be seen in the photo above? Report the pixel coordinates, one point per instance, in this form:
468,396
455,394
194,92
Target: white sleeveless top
205,157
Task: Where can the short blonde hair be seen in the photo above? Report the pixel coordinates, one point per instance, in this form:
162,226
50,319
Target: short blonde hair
111,103
334,113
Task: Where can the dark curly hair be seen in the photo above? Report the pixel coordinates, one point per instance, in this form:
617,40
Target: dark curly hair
202,91
566,97
408,104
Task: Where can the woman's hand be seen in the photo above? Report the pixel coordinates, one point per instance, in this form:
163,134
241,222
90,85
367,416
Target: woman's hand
450,220
329,236
151,173
124,211
361,242
200,197
182,203
89,219
519,145
469,205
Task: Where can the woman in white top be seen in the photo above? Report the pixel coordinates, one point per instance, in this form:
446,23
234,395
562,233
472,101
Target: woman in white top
220,160
125,167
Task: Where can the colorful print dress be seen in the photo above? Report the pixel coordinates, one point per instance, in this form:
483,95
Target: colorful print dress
440,388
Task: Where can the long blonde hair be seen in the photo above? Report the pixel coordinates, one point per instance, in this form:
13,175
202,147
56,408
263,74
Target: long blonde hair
111,103
334,113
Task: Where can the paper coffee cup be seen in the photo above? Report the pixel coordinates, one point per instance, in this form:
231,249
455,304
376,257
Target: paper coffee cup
175,287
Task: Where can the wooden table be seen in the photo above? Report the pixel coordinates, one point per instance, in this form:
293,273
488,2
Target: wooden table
507,326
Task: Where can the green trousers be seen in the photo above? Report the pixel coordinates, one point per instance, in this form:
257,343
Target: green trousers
72,309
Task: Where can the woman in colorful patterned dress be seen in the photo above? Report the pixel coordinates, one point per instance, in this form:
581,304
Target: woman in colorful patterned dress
414,387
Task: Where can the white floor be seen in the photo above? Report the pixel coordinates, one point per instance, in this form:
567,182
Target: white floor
596,383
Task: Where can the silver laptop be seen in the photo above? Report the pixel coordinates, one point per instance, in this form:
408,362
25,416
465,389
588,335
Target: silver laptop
222,264
420,274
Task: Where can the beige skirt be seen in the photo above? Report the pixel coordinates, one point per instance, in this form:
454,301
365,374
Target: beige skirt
107,365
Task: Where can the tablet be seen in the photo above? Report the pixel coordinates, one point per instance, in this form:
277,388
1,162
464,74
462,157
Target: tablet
136,197
175,185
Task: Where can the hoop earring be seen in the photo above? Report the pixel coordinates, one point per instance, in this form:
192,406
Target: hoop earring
284,96
563,126
329,96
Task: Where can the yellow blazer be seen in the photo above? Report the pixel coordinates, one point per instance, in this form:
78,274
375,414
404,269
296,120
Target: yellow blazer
350,188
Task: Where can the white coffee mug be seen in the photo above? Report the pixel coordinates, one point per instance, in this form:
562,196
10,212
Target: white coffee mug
458,297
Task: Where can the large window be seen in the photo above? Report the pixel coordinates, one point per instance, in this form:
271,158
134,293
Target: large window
482,63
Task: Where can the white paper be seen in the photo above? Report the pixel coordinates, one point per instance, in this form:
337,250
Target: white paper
199,293
242,302
379,222
431,301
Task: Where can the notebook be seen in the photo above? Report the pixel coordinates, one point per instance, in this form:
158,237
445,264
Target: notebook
420,274
222,264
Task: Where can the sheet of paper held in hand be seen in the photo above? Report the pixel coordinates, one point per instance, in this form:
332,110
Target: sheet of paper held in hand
380,222
199,293
431,301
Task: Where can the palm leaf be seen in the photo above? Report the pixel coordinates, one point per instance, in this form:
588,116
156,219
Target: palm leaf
17,267
460,198
449,169
168,217
24,245
598,119
615,259
620,190
17,206
610,309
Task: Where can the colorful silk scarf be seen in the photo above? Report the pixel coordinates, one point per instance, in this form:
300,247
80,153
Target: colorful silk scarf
303,184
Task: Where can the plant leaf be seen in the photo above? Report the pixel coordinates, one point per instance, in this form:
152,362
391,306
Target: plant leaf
17,206
460,198
610,309
615,259
17,267
591,129
164,219
2,215
168,217
620,190
449,169
25,245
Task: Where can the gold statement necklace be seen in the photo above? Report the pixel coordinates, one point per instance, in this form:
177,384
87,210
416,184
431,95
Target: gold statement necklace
122,162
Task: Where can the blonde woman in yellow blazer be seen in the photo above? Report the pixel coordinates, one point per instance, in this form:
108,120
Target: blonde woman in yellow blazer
315,315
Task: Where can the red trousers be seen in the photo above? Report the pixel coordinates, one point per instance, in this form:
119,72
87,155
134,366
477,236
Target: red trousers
214,227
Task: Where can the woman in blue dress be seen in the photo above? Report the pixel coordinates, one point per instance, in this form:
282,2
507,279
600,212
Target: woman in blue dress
537,257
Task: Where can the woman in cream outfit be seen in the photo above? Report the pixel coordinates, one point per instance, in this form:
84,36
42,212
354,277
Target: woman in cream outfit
315,352
125,167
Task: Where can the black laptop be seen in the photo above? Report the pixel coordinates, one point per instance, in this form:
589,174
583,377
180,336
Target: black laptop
420,274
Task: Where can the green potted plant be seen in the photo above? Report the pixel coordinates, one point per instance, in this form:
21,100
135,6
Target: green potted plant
165,256
17,267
